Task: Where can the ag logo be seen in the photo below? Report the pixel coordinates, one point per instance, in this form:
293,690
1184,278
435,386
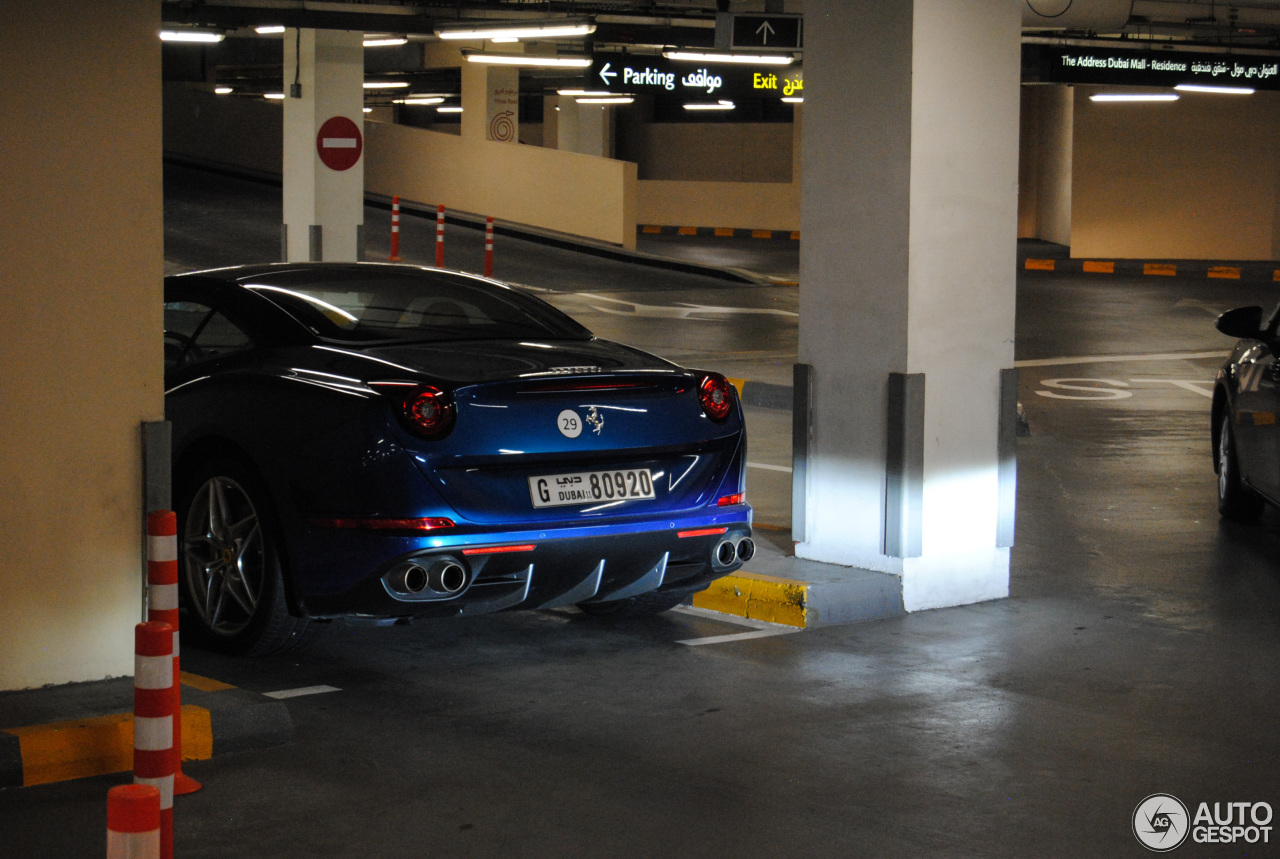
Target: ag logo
1160,822
569,424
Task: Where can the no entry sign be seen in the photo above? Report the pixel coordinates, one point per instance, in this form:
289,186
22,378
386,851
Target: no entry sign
339,143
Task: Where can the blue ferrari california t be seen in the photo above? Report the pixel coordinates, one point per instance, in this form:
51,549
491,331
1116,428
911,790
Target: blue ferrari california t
387,442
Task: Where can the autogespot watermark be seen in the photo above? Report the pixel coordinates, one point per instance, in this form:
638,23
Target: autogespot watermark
1162,823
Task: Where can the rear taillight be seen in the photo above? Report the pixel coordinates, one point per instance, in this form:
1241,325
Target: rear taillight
425,411
716,395
728,500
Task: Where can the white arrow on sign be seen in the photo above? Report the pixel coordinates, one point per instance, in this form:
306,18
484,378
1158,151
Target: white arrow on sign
766,30
606,74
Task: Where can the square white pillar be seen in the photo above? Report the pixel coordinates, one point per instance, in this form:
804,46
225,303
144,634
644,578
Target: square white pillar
323,204
909,217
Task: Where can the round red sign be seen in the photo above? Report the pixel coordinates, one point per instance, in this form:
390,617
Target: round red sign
339,143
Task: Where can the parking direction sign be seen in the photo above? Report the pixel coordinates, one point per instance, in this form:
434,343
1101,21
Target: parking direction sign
773,32
339,143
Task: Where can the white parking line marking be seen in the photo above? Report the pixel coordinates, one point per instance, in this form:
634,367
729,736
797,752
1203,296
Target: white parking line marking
1102,359
1196,386
299,692
760,628
766,467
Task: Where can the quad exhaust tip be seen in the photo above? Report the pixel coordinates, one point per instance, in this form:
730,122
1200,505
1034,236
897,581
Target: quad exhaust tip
730,551
444,576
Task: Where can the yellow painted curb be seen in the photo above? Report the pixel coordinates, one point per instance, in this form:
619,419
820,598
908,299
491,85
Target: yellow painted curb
687,231
1039,265
1224,271
724,232
204,684
739,384
758,597
651,228
79,748
1093,267
1163,269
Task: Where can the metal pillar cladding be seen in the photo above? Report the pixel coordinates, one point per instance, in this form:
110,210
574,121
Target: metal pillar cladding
909,209
323,145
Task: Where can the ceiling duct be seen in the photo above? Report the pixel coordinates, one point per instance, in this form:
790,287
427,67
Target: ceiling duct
1096,15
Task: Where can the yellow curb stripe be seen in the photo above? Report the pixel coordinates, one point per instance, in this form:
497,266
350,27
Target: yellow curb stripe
687,231
1275,275
1094,267
1039,265
204,684
737,383
762,234
1224,271
758,597
1161,269
724,232
650,228
795,236
80,748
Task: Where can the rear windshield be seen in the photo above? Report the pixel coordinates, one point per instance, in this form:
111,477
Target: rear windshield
411,306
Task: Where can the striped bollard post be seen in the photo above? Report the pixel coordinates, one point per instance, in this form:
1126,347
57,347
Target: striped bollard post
153,752
133,822
440,236
395,229
488,247
162,607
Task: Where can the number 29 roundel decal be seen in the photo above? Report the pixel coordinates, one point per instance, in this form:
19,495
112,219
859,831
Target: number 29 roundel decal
569,424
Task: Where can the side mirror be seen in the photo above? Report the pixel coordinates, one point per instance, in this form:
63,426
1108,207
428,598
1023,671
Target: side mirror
1244,323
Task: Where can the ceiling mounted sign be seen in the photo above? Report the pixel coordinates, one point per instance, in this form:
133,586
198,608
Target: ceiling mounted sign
650,75
1159,68
339,143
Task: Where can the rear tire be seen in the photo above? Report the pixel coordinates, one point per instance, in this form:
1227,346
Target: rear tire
638,606
230,564
1235,500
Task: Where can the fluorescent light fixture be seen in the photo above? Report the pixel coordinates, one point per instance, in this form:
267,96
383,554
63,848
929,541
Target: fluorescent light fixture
793,99
223,90
385,84
269,29
1133,96
613,99
1221,90
384,41
590,93
516,30
434,99
749,59
449,109
367,109
529,60
719,105
274,96
191,36
503,40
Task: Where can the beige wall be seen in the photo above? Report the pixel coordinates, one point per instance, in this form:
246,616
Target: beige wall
707,152
1044,164
240,131
1192,179
81,261
564,191
745,205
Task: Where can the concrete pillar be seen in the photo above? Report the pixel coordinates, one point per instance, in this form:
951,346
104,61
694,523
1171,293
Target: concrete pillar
490,102
585,128
323,206
907,291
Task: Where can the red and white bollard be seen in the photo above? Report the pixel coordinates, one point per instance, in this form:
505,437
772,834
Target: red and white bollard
153,754
488,247
395,229
440,236
133,822
162,607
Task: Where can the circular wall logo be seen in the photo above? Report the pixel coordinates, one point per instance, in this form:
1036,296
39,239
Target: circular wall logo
1160,822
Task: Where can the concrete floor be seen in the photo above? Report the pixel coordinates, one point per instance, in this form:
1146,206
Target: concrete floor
1137,654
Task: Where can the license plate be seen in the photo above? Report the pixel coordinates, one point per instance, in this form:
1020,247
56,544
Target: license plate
590,487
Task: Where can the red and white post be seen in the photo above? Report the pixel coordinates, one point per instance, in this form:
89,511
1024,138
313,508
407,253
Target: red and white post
395,229
133,822
488,247
440,236
162,607
153,752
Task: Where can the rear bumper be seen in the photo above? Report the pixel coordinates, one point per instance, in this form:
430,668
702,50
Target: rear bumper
546,568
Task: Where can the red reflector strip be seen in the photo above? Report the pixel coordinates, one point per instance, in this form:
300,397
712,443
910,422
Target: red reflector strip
495,550
428,524
731,499
701,532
